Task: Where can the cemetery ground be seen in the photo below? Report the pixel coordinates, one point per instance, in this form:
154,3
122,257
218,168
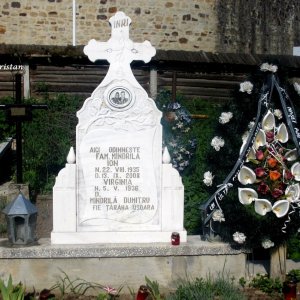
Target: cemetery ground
44,228
222,287
69,287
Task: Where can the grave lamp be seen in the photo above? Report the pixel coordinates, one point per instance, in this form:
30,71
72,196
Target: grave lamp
21,216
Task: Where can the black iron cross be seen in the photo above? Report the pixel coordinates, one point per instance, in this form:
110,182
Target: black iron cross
19,113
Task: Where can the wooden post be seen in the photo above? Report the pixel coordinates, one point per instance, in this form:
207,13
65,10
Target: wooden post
26,81
278,262
174,82
19,155
153,83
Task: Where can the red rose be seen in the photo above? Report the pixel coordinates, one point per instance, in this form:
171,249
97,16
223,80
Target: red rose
277,193
259,155
288,175
270,136
272,162
274,175
263,188
260,172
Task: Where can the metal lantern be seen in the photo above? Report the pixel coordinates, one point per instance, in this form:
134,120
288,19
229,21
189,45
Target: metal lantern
21,216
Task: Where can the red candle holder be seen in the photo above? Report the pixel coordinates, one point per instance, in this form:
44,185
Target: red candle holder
289,291
175,239
142,293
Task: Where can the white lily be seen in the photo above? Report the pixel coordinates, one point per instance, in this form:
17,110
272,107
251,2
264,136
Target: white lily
291,155
292,192
281,208
282,133
260,139
268,122
295,170
262,206
251,154
246,195
246,176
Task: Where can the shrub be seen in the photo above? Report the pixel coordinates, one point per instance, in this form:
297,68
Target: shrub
10,291
266,284
201,130
47,139
207,289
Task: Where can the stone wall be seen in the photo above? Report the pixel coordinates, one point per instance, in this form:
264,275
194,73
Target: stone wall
174,24
258,26
231,26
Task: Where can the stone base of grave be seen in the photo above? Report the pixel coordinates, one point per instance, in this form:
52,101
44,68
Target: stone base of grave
41,266
115,237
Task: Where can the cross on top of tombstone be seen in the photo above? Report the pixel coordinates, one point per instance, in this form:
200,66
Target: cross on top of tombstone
119,50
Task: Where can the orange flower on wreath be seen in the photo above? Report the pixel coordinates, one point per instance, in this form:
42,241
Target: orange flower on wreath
274,175
272,162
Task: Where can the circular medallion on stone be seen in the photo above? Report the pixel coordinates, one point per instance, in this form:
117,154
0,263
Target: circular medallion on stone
119,98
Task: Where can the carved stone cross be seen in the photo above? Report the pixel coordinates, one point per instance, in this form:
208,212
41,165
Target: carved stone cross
119,50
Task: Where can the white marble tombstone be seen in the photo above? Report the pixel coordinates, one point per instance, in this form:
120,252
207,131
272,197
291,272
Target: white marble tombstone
118,190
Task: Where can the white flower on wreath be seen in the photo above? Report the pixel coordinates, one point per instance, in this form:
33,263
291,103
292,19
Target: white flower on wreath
251,124
239,237
267,243
173,144
217,143
246,86
268,67
297,88
179,157
278,114
208,178
179,124
218,216
225,117
245,136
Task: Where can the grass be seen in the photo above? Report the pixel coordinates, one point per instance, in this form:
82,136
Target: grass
222,288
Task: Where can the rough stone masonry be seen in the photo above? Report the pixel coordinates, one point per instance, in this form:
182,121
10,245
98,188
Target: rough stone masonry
231,26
